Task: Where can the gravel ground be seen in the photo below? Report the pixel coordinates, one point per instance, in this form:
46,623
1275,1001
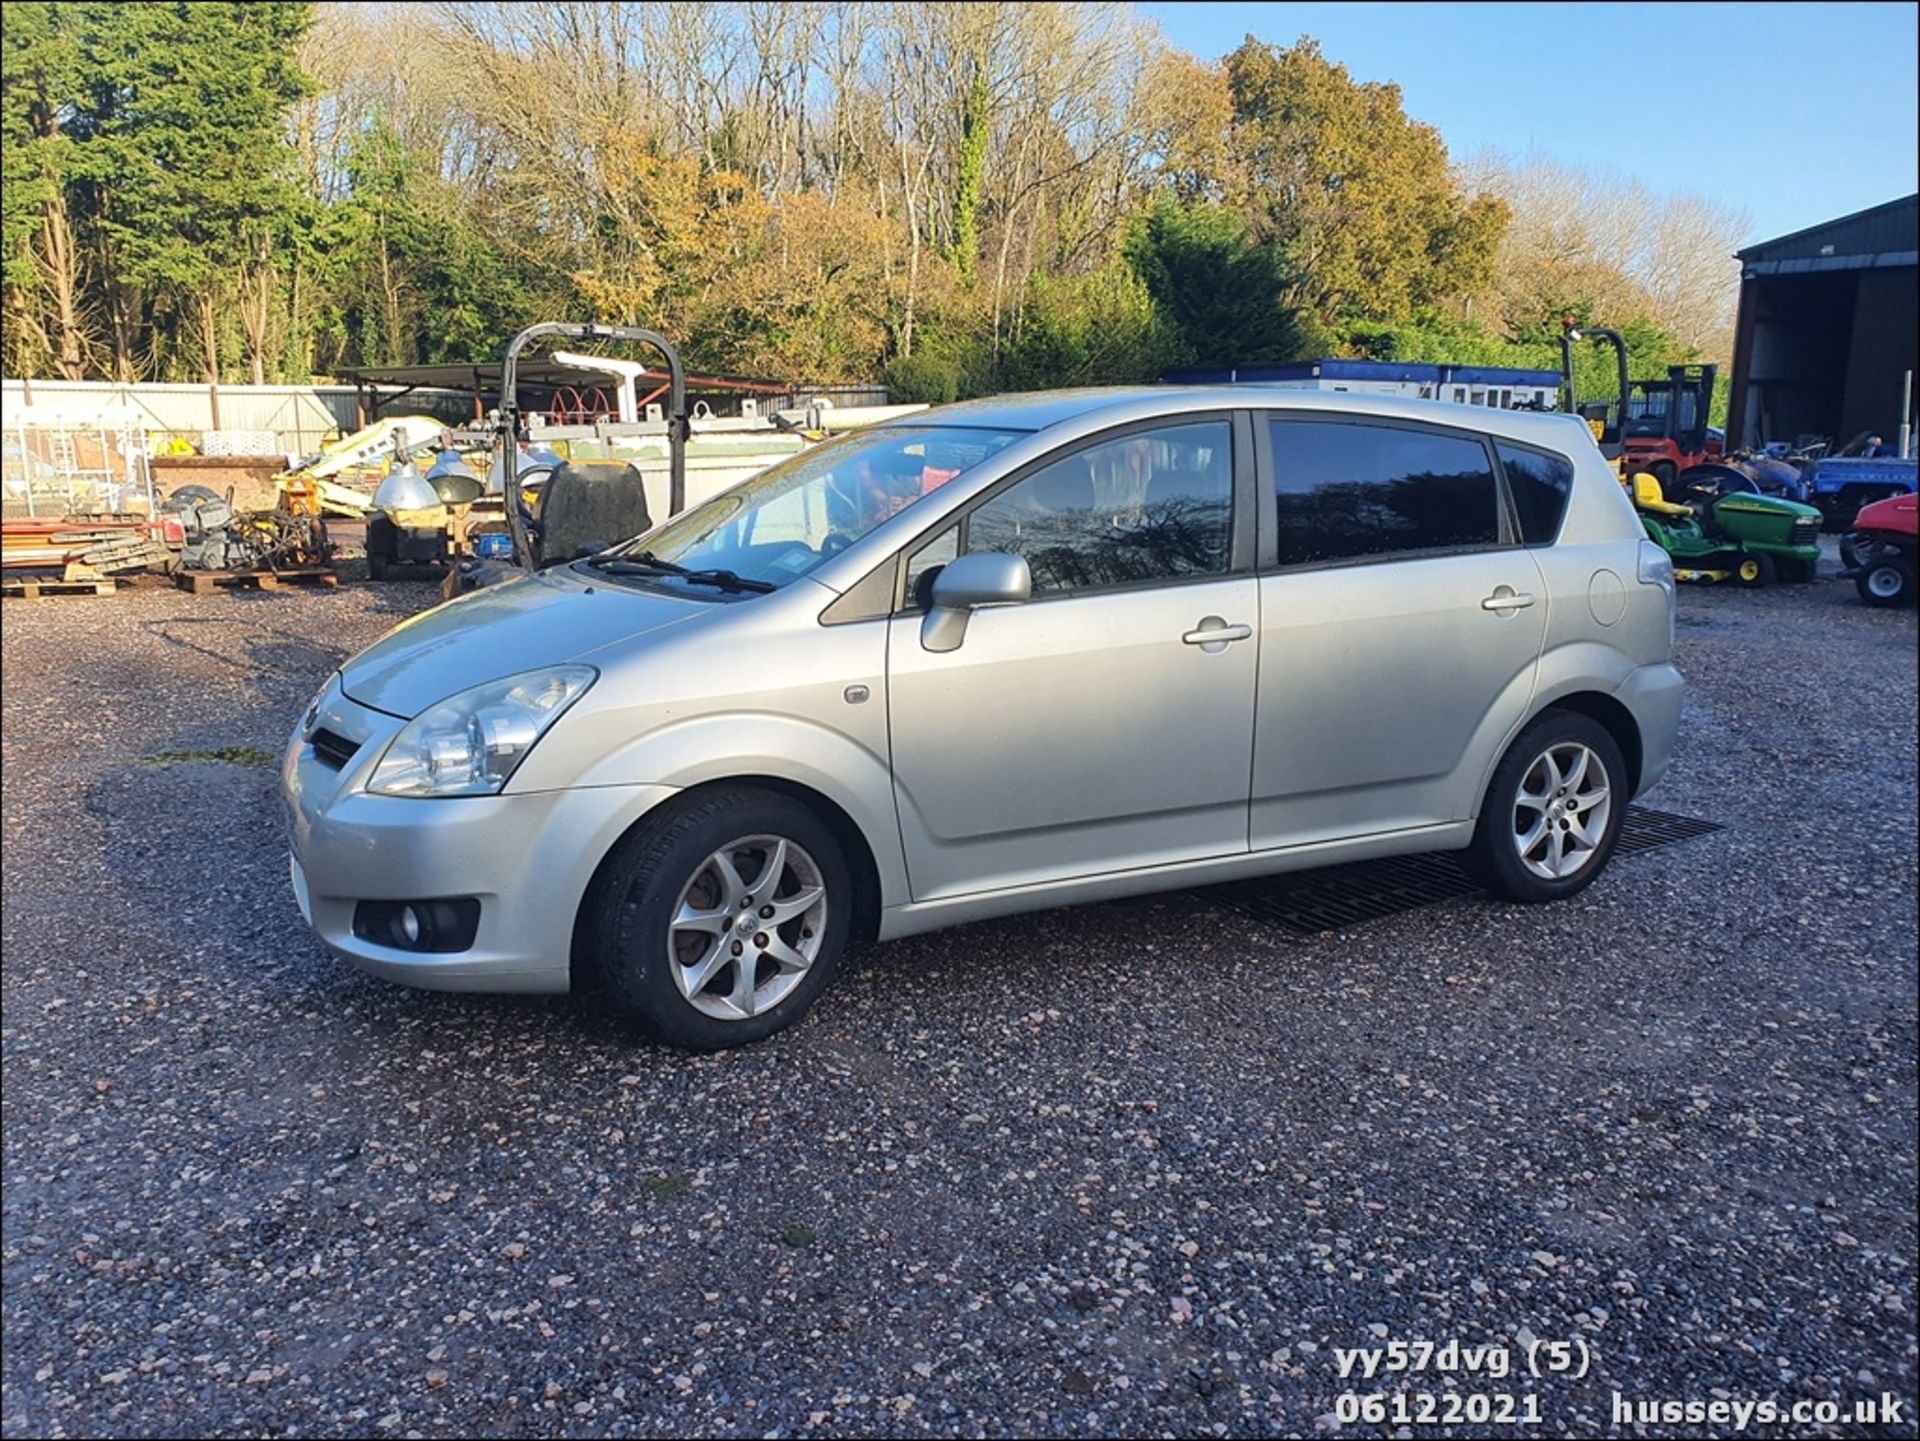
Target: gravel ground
1135,1168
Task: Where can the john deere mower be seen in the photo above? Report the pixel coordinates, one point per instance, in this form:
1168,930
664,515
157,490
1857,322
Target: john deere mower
1754,539
1721,527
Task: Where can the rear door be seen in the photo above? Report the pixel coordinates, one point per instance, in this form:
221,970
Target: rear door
1401,626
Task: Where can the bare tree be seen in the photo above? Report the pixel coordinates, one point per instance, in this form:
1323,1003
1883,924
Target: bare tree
1601,237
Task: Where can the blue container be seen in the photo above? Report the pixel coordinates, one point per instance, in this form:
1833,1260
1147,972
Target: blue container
493,547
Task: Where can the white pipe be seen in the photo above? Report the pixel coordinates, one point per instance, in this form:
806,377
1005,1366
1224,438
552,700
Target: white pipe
627,370
1906,415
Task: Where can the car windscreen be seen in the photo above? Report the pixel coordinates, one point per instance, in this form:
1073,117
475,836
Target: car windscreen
796,515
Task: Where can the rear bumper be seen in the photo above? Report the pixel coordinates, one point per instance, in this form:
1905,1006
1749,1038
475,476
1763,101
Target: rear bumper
1655,694
528,859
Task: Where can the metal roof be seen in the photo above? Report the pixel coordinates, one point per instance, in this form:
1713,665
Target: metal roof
1882,237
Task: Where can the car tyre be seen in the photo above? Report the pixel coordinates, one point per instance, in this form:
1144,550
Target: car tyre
1519,797
659,971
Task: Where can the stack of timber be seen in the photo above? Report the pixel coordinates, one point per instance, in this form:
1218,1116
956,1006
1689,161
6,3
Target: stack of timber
75,556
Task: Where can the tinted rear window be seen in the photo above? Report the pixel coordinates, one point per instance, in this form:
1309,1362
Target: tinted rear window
1347,491
1540,484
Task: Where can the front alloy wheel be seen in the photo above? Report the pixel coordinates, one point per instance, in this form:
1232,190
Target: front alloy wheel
748,927
719,919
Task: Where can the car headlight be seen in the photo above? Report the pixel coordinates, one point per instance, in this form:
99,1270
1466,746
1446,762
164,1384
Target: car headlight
470,744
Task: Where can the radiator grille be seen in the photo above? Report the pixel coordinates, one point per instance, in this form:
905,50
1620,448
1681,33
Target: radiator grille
332,749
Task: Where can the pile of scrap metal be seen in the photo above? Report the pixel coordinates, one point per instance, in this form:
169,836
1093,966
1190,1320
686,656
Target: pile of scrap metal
82,549
361,456
213,536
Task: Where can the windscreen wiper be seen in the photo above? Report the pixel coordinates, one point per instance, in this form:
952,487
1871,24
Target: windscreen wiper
647,563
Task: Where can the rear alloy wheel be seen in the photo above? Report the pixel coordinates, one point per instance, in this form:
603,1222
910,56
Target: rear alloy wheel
1561,811
719,920
1552,814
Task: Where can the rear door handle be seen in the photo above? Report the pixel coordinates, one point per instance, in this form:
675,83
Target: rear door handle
1505,597
1213,633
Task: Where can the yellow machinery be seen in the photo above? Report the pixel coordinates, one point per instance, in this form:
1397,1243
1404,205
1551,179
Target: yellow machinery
319,479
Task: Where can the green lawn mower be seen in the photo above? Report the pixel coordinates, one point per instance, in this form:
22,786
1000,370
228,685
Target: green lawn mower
1754,539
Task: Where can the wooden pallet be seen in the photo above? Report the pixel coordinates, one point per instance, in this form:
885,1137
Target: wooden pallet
34,589
199,582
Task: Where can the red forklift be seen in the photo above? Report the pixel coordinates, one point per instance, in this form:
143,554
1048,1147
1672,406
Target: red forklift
1667,431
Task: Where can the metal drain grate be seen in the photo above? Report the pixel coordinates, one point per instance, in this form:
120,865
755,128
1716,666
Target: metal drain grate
1308,903
1645,829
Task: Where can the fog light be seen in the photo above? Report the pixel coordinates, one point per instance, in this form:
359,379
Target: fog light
441,926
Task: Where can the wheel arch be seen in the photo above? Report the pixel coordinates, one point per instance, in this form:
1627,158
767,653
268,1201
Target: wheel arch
1613,716
859,852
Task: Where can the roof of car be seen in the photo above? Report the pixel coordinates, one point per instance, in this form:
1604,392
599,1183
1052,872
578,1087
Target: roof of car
1041,410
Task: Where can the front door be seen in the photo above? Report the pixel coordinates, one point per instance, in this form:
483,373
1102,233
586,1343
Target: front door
1107,723
1400,630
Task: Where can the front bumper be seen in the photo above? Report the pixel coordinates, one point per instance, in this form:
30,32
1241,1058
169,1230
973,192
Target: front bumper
528,858
1655,695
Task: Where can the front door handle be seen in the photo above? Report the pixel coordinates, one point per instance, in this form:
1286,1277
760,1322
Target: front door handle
1213,633
1505,597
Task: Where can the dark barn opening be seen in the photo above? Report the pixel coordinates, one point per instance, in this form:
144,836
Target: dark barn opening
1826,333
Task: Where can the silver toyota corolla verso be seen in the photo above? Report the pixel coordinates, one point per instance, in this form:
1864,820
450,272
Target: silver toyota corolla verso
999,656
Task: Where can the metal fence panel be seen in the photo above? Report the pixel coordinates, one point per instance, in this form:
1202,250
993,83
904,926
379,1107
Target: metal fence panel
301,417
56,462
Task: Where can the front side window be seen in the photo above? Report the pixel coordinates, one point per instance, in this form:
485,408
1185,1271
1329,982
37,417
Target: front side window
1349,491
779,525
1540,484
1150,505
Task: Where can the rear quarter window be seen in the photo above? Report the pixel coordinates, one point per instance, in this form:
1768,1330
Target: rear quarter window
1539,483
1350,490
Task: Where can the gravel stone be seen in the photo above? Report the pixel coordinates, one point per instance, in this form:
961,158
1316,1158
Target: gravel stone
1133,1168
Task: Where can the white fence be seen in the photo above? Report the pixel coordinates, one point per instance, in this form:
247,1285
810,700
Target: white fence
301,417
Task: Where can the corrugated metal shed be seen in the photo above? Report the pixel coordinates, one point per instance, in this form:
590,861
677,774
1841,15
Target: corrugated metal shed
1883,237
1824,343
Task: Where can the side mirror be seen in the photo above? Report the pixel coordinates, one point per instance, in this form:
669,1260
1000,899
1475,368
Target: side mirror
964,585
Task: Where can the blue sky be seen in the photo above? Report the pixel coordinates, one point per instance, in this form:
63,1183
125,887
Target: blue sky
1794,113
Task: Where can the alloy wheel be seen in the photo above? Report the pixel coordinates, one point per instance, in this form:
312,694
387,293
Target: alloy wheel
747,927
1561,812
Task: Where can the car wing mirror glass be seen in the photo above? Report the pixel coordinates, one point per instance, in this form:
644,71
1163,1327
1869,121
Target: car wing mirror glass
966,584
